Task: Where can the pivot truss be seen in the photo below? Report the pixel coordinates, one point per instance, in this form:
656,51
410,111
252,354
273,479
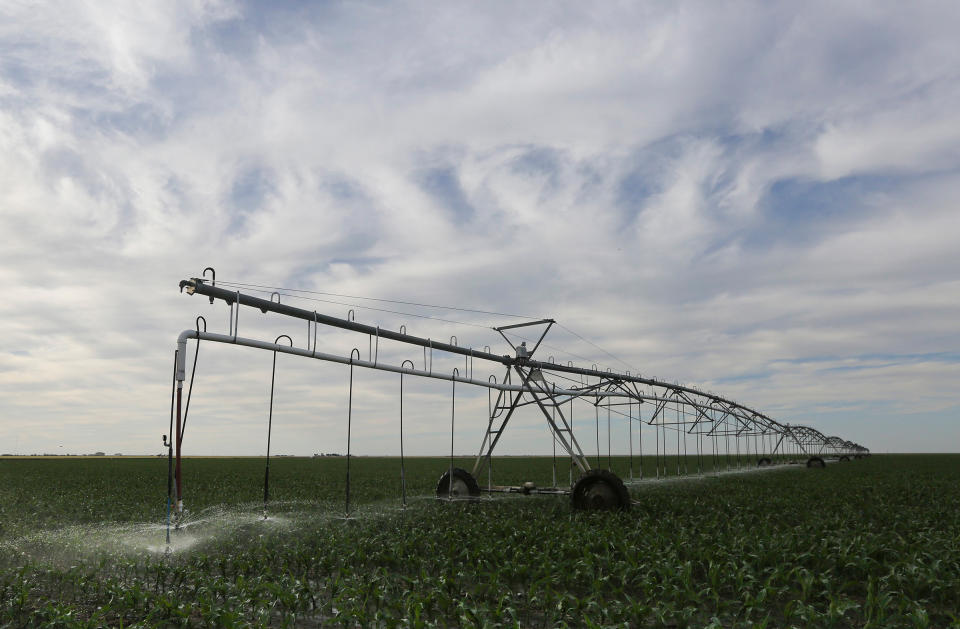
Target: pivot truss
688,424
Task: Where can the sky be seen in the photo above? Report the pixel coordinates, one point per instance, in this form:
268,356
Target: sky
757,198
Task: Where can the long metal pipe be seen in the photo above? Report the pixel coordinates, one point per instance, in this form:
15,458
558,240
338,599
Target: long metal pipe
177,469
515,388
199,286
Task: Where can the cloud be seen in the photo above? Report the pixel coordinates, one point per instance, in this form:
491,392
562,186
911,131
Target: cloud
749,198
914,134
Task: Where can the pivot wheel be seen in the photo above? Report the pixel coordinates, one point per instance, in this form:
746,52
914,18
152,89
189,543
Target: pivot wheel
464,485
844,459
600,490
815,461
764,461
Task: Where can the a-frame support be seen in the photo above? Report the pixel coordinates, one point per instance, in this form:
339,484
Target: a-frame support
530,379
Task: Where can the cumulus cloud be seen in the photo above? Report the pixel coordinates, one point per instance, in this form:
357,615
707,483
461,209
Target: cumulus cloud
760,199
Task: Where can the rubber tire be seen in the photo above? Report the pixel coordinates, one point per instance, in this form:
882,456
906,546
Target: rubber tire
764,462
599,490
844,459
815,462
459,474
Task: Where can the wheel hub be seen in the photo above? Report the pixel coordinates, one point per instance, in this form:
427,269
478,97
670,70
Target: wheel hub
459,488
600,495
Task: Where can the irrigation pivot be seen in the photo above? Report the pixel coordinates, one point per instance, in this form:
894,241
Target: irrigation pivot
683,424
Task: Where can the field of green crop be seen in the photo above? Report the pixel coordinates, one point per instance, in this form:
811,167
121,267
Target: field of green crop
873,542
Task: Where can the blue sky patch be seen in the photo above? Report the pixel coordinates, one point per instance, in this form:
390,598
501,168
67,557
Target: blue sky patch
443,185
804,211
247,195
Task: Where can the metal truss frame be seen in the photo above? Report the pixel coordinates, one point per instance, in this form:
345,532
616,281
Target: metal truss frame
673,407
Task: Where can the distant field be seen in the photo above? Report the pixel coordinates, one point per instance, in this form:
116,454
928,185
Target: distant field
874,542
